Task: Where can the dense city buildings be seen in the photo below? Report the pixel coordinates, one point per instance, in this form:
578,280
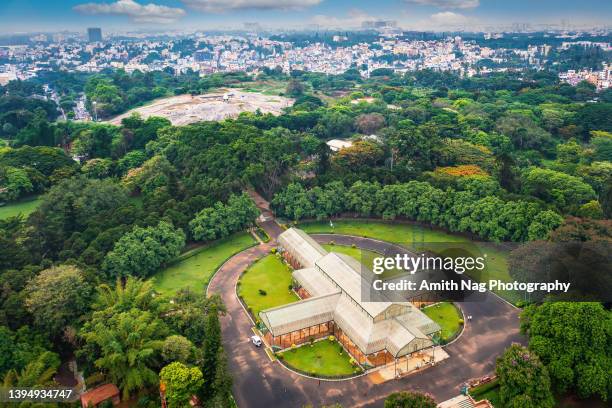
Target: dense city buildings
467,54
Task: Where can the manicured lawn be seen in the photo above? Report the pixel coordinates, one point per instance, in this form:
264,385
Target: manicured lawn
322,358
197,266
447,316
385,231
271,275
20,207
414,236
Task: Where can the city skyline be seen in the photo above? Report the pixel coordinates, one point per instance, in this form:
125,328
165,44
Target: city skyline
172,15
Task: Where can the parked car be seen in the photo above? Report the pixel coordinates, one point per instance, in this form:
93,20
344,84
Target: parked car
256,340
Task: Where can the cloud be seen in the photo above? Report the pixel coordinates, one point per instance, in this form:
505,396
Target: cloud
449,18
224,5
354,18
139,13
447,4
446,20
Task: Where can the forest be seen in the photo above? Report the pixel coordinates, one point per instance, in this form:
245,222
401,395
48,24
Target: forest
506,157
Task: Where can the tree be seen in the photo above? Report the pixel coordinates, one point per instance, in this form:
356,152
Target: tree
523,379
414,145
97,168
44,159
212,343
56,297
156,173
542,224
222,386
131,160
37,373
190,317
361,155
524,131
565,191
406,399
20,347
177,348
602,143
582,230
369,123
181,383
72,206
126,295
573,340
592,209
294,88
223,219
15,183
142,251
127,345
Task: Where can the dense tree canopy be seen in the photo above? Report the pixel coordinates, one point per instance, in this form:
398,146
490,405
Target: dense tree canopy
56,297
141,251
523,379
573,340
508,156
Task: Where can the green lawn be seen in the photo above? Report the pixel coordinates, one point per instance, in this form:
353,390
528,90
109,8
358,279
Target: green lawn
271,275
447,316
196,267
20,207
267,87
322,358
414,236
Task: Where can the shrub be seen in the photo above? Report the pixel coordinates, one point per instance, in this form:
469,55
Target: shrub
273,250
461,321
262,292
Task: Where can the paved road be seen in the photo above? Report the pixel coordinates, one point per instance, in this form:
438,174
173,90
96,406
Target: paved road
261,383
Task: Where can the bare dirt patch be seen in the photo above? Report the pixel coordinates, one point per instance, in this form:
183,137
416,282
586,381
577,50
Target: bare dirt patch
226,103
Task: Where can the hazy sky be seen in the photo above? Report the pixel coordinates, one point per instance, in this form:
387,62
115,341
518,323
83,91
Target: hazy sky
124,15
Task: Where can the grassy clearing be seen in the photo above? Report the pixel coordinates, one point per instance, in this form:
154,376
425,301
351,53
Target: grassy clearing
447,316
322,358
24,207
268,87
417,237
270,275
194,269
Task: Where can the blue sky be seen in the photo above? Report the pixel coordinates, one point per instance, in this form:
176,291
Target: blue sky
132,15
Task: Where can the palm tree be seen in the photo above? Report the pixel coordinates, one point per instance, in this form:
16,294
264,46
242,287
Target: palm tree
133,293
37,373
129,344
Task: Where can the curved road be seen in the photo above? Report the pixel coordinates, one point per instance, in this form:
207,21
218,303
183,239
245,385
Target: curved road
259,382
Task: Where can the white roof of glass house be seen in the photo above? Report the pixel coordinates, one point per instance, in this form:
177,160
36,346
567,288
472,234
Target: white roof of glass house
301,246
334,280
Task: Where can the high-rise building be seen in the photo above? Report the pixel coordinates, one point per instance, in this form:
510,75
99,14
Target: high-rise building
94,34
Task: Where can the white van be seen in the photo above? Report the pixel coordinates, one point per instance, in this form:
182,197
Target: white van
256,340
